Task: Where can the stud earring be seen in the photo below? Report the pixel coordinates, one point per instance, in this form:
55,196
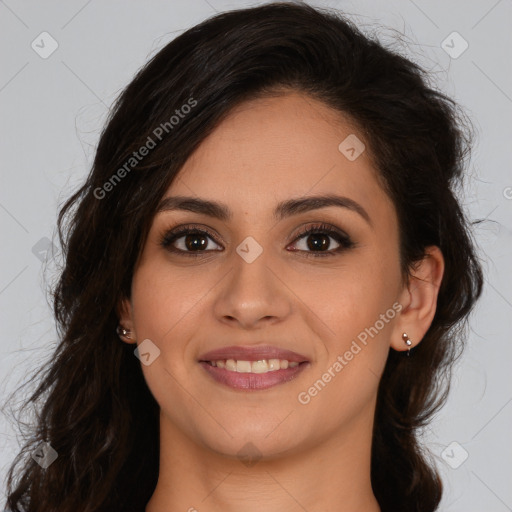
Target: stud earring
121,331
408,342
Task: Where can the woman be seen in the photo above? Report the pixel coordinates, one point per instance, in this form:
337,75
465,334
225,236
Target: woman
266,277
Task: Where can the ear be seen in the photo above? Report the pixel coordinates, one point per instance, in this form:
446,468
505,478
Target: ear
419,299
125,315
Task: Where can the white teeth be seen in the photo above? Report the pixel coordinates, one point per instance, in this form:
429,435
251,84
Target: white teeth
231,365
261,366
243,366
273,364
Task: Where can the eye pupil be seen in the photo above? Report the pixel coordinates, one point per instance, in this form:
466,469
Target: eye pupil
318,244
191,245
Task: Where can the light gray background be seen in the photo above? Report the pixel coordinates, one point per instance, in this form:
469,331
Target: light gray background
52,111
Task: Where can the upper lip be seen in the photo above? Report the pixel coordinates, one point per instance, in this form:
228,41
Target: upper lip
253,353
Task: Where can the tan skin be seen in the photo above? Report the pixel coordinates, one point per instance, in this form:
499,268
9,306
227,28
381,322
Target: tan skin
314,456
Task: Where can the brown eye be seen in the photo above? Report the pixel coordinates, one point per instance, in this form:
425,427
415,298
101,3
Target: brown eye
187,240
317,240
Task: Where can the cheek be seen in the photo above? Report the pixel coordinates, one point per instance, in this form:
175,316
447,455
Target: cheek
356,304
349,299
162,298
169,309
164,307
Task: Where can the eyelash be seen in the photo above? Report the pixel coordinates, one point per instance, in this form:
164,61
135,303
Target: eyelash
343,239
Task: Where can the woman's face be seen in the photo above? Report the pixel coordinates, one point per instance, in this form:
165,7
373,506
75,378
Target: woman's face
256,282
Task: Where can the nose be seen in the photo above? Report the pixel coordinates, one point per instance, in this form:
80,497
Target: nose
252,294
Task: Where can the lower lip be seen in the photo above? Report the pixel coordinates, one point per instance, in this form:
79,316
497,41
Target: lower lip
252,381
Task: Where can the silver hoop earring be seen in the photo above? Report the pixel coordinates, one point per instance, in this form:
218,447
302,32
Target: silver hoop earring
408,342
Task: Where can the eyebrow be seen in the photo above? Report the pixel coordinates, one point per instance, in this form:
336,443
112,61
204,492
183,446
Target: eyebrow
282,210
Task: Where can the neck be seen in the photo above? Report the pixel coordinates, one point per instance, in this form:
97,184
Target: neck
334,475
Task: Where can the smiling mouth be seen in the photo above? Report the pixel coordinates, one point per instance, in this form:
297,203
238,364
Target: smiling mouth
260,366
253,375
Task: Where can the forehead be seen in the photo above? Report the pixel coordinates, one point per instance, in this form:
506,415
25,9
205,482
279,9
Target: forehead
271,149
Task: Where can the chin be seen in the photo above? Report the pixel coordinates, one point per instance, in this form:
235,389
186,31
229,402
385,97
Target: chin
254,442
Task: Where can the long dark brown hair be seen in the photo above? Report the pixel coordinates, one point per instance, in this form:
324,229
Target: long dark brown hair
93,405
